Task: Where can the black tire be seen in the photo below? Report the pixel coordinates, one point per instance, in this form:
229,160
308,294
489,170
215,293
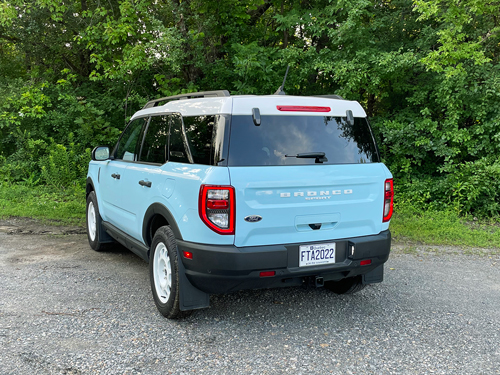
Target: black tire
348,285
93,221
164,273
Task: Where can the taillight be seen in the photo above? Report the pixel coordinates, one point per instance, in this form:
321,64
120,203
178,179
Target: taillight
217,208
388,199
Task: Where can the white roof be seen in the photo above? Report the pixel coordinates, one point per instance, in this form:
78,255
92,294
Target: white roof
267,105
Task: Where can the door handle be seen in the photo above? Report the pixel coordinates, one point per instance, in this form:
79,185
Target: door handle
116,175
145,183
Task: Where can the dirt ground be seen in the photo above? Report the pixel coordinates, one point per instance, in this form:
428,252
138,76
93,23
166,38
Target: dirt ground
22,225
66,309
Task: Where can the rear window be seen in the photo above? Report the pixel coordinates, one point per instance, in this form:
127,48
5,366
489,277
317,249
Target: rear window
286,140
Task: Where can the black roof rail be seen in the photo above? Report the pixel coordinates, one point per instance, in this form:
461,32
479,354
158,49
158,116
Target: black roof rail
202,94
330,96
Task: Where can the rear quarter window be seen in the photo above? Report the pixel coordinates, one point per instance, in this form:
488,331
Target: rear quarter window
199,134
199,139
279,138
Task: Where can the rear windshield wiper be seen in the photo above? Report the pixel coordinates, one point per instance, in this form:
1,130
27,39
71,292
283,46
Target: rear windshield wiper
319,156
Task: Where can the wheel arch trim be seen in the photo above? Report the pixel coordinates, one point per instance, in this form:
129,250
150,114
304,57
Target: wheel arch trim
89,183
151,212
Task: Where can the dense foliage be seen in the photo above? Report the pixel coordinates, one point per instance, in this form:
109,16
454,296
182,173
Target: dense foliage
427,72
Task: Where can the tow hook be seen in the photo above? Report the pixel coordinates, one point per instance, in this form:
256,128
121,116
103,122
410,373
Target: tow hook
318,282
312,282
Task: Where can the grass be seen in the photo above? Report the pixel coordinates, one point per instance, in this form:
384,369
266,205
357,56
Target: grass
48,204
408,225
444,228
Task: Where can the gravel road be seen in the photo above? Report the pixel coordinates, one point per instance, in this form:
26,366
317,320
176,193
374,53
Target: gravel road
65,309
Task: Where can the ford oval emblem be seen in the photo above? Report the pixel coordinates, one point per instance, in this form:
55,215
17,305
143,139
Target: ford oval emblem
253,218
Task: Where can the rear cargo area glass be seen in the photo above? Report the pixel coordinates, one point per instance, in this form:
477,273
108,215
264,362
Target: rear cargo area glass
279,139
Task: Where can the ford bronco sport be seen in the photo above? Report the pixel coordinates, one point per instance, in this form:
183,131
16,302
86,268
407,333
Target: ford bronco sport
221,193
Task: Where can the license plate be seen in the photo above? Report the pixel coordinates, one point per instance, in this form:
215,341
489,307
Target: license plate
313,255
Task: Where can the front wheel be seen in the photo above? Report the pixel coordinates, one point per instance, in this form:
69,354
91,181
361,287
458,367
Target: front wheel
93,222
349,285
164,273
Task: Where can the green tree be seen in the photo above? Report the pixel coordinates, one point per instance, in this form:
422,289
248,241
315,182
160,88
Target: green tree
427,72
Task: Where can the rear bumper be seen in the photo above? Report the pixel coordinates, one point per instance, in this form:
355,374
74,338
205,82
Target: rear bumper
222,269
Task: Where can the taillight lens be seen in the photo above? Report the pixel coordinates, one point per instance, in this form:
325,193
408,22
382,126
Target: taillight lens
388,199
217,208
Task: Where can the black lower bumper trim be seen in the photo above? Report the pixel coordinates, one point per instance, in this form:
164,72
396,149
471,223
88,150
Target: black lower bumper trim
226,268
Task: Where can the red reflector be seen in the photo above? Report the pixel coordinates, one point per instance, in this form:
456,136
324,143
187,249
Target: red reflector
302,108
365,262
267,273
187,254
217,204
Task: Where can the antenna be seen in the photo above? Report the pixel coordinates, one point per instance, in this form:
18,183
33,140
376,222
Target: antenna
280,90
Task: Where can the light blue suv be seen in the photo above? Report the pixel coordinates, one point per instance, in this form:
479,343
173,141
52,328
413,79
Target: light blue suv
221,193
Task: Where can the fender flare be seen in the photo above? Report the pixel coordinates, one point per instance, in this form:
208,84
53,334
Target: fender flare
91,183
158,209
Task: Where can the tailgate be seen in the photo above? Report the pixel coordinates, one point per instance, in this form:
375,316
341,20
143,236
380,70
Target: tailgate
307,204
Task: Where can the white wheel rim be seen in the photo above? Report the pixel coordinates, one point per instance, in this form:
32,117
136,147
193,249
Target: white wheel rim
162,272
91,221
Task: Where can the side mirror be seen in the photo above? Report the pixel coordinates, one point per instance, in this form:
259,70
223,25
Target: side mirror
350,117
100,153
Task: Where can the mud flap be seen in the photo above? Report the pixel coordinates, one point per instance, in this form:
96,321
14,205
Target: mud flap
374,276
190,298
104,236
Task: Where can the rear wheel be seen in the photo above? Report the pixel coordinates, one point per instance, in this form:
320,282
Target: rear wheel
348,285
164,273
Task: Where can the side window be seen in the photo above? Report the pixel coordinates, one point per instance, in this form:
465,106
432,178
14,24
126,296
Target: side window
154,147
199,131
128,146
177,150
220,140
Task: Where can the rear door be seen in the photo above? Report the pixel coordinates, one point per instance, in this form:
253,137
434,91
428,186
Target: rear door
303,179
147,179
